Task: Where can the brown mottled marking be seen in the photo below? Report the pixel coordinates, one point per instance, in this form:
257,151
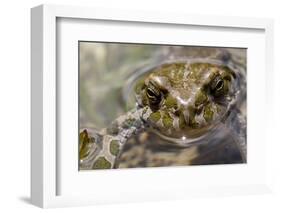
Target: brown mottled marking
114,147
101,163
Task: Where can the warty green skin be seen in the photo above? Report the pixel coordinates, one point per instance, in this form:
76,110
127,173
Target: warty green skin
180,100
101,150
187,104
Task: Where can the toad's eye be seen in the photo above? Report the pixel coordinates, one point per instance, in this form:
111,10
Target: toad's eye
217,86
153,94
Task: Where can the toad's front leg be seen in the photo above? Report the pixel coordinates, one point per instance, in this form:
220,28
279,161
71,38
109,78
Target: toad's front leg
101,150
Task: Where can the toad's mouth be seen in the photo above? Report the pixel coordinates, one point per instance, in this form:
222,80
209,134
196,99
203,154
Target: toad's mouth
188,134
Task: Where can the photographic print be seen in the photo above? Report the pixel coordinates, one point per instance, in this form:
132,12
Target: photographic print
152,105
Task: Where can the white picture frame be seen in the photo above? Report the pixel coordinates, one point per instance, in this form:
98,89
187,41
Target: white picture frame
46,170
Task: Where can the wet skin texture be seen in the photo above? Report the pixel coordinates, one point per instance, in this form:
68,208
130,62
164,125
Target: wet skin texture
180,100
186,99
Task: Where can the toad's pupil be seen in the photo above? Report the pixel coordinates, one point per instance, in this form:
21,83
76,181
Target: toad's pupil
153,95
150,93
219,85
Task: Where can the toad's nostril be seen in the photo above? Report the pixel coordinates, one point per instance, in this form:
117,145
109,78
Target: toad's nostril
177,112
199,109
